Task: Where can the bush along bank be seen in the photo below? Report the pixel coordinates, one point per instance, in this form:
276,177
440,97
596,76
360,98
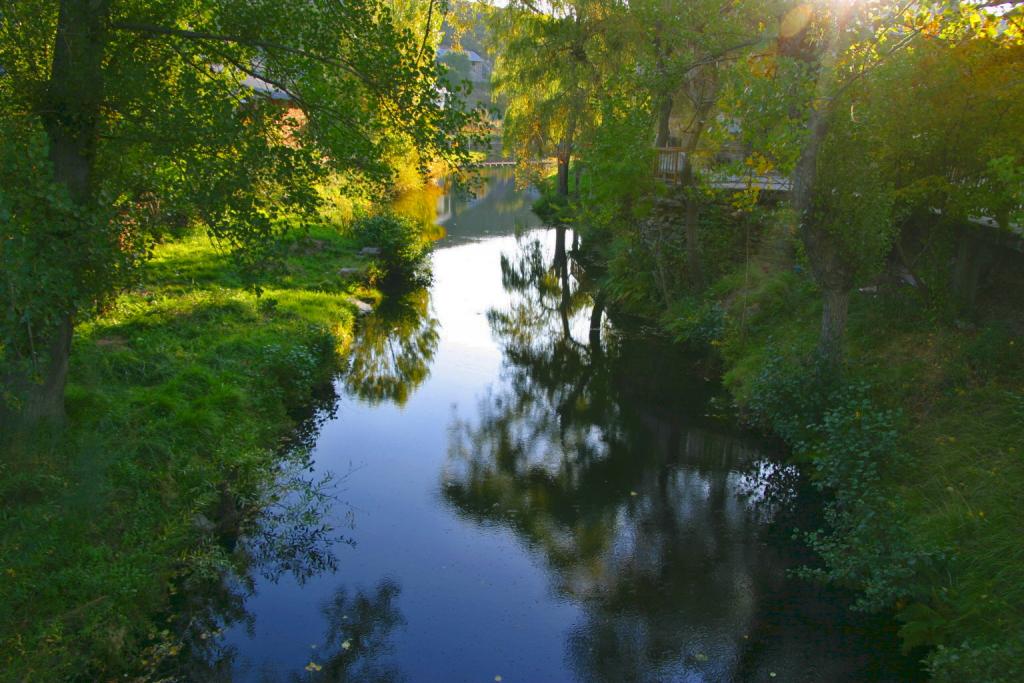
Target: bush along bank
918,438
184,399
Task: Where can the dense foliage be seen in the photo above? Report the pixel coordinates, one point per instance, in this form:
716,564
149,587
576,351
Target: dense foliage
875,264
829,195
119,117
403,248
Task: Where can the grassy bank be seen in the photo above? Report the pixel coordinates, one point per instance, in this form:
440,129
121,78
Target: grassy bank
944,547
180,397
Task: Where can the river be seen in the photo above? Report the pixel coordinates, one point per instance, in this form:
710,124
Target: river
521,499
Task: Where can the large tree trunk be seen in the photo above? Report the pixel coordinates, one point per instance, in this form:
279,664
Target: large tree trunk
563,175
692,216
39,399
830,270
664,117
71,110
835,304
75,93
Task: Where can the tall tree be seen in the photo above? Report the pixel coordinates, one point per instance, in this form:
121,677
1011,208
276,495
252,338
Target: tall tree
950,116
551,69
681,50
803,115
117,115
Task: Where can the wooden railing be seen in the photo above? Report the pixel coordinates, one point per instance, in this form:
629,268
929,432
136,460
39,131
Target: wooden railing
671,163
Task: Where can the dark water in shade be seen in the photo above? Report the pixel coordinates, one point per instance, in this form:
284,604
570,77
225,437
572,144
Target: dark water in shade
527,502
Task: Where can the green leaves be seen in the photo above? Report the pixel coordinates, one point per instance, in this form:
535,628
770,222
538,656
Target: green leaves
226,114
404,250
41,278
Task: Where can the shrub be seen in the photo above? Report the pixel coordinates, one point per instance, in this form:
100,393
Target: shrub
790,397
553,208
996,663
865,544
341,201
697,322
850,442
404,250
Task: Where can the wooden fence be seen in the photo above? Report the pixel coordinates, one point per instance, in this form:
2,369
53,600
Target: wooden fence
671,164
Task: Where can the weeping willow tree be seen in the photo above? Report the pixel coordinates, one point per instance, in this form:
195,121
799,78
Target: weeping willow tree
552,70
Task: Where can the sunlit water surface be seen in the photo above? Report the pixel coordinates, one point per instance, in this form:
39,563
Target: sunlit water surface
523,500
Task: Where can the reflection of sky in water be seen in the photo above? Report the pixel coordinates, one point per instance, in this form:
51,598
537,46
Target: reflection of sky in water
538,508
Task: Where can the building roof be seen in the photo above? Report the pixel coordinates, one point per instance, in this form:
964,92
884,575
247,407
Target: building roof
261,86
470,55
256,84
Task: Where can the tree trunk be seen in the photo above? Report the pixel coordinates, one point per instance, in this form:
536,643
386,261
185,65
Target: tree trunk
563,175
692,216
835,305
75,94
595,321
967,272
691,223
830,269
71,111
664,117
39,401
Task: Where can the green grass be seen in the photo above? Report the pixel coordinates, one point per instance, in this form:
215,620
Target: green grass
961,391
184,389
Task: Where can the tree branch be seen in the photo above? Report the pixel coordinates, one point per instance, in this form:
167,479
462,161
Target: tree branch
157,30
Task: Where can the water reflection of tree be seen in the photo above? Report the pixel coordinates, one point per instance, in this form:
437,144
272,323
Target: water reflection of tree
359,629
292,538
267,527
654,524
394,346
547,302
278,528
282,527
489,204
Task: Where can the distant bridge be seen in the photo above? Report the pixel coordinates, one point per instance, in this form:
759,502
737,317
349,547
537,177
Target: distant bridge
492,164
672,163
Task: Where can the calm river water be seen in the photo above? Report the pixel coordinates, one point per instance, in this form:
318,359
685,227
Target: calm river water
524,502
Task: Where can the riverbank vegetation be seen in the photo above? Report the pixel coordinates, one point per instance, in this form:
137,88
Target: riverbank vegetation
818,195
192,214
182,396
826,196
